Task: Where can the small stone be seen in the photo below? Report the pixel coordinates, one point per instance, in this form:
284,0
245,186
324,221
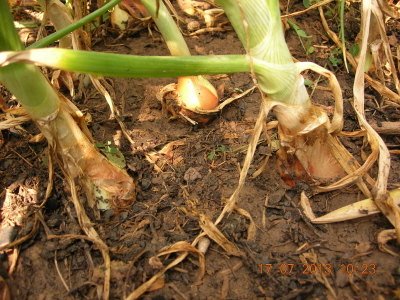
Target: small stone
123,216
191,175
107,214
145,184
193,26
7,235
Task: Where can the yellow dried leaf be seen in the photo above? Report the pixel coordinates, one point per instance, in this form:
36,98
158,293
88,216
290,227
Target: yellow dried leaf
213,232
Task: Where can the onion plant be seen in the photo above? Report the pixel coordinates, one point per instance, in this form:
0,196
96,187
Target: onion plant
78,156
304,152
310,148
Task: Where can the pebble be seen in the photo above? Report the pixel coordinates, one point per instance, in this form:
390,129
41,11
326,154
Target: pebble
191,175
145,184
7,235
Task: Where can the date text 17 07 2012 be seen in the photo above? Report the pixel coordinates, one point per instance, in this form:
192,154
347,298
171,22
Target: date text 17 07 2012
288,269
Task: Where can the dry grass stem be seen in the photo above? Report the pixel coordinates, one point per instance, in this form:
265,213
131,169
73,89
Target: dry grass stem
24,238
376,142
7,124
252,230
215,234
264,213
178,247
297,13
384,237
378,86
86,226
59,272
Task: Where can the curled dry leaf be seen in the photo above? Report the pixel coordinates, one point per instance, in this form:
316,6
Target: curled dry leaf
215,234
378,86
64,80
383,238
153,266
191,175
37,138
355,210
251,231
184,248
382,199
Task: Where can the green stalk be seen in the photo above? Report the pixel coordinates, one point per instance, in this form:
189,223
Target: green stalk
26,82
9,39
342,3
130,66
74,148
170,32
31,88
263,39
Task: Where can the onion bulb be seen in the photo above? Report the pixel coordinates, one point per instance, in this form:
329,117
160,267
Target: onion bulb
193,93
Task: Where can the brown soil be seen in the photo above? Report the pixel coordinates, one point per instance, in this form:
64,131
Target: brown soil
162,216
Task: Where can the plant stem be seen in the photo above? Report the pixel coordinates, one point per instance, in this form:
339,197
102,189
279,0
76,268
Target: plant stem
66,30
259,27
31,88
192,92
75,150
26,82
342,3
9,39
169,30
130,66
